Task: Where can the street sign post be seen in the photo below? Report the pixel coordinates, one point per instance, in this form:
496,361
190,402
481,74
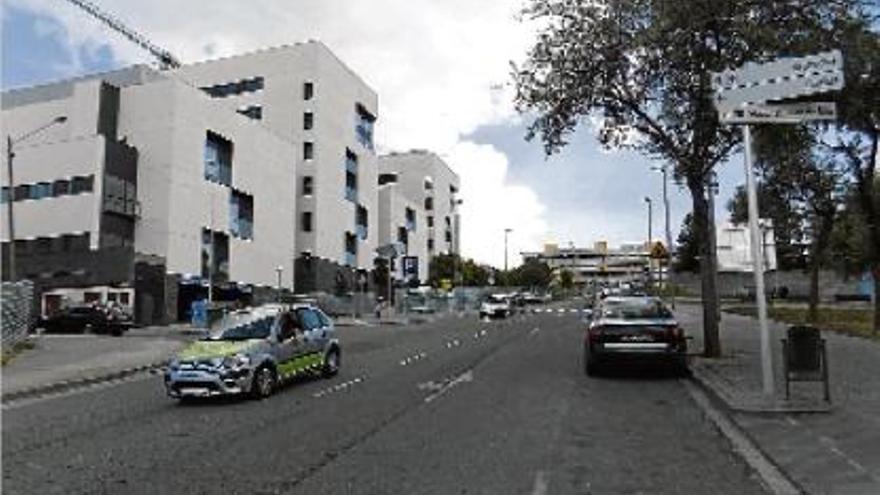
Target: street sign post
745,96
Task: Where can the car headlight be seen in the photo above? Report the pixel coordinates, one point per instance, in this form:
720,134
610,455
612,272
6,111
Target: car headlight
174,364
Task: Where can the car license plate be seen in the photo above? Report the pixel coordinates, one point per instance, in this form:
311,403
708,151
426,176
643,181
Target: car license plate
194,391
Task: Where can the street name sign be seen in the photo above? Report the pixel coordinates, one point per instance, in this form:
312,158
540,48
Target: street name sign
778,80
782,113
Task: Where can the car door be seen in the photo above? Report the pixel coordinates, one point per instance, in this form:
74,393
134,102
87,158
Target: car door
313,329
289,346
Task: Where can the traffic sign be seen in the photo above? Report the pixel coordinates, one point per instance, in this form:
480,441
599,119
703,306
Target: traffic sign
778,80
784,113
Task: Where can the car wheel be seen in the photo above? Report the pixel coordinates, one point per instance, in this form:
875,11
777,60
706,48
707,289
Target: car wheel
332,362
263,383
680,367
591,368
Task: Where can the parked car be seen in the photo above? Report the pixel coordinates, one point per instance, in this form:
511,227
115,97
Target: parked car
97,318
254,351
495,306
626,330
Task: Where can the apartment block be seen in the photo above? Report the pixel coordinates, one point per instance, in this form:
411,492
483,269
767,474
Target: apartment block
403,221
148,191
305,94
425,179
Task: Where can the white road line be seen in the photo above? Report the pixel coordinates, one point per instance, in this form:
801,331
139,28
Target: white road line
467,376
540,486
534,331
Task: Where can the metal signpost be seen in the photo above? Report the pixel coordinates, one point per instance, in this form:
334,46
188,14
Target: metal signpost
746,96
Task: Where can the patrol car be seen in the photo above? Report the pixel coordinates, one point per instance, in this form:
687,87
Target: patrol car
254,351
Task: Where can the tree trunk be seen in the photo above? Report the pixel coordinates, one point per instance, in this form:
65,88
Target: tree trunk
877,300
711,338
813,312
820,243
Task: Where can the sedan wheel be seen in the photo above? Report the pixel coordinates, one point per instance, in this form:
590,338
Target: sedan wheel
264,383
332,362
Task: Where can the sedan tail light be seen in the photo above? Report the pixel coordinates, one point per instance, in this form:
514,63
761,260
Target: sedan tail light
676,333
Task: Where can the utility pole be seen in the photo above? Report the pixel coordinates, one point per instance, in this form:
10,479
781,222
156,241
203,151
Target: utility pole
712,190
506,232
10,216
650,236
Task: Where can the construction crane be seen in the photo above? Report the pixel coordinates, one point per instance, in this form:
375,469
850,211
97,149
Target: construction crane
165,58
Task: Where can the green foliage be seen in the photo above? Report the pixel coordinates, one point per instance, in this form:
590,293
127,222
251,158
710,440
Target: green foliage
688,249
448,266
566,279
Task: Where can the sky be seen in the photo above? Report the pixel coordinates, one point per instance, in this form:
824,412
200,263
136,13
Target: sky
441,69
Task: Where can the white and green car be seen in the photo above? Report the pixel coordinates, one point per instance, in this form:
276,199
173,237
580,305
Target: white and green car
255,350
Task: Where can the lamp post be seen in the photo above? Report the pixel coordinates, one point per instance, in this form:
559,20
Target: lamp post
457,274
506,232
666,212
278,270
10,155
650,203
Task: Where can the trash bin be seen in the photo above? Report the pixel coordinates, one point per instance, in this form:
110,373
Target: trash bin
804,358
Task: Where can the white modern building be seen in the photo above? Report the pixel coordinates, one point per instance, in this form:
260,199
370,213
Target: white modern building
734,247
146,185
403,221
425,179
305,94
601,263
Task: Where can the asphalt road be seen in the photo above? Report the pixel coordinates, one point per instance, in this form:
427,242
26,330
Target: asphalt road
457,406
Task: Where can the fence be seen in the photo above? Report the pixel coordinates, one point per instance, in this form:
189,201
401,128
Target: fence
17,306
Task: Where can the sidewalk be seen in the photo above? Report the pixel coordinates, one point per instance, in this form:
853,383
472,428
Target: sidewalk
61,361
825,450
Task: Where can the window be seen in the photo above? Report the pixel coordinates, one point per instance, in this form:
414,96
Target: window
430,221
364,122
82,184
430,244
448,222
361,221
218,243
387,179
429,203
254,112
4,195
429,184
123,298
308,91
308,121
42,190
241,215
43,245
308,150
308,185
309,319
60,187
448,236
402,235
218,159
350,249
410,216
306,221
21,192
235,88
351,176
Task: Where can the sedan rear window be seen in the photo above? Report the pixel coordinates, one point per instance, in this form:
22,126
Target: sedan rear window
636,311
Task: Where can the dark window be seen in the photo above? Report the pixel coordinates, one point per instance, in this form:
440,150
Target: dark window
429,203
410,215
308,91
448,236
123,298
41,190
448,222
308,121
43,245
75,243
364,126
4,195
402,235
351,176
82,184
235,88
362,216
116,230
60,187
308,319
218,159
430,244
22,192
241,215
306,222
324,320
430,221
429,184
308,185
387,179
254,112
308,150
218,242
350,249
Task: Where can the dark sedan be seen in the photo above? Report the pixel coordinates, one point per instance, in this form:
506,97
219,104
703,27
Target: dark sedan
626,330
88,317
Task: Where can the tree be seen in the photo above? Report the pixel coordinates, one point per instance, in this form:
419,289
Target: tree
687,259
566,279
857,143
788,221
533,274
643,68
447,266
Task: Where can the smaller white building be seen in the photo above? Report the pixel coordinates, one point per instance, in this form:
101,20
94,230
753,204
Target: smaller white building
403,221
734,247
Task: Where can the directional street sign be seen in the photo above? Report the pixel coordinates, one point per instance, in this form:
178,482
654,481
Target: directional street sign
778,80
781,113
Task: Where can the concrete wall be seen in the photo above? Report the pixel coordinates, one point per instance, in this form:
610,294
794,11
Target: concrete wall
736,284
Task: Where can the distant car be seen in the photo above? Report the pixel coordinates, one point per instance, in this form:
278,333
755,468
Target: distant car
626,330
495,306
96,318
254,351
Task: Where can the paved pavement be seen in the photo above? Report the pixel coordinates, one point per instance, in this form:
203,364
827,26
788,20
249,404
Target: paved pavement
831,452
57,359
453,406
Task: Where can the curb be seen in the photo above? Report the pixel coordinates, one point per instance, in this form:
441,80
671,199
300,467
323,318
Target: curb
774,478
77,383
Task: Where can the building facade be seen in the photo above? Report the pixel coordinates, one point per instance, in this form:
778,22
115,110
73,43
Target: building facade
599,264
403,221
425,179
305,94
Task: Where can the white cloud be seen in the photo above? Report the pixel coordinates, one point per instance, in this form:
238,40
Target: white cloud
439,67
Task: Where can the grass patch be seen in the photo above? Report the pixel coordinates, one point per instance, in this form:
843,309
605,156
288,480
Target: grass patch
851,321
14,350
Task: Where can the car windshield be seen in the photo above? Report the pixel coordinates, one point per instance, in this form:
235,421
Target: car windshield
496,299
244,328
632,310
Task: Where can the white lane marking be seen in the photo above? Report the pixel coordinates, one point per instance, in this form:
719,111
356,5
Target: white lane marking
540,486
832,446
338,387
534,331
415,357
467,376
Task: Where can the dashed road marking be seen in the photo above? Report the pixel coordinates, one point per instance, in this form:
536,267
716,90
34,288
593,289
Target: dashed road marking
412,359
339,387
467,376
534,331
540,486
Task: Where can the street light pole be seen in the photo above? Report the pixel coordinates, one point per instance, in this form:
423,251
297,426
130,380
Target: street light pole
10,217
669,249
650,235
278,271
506,232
